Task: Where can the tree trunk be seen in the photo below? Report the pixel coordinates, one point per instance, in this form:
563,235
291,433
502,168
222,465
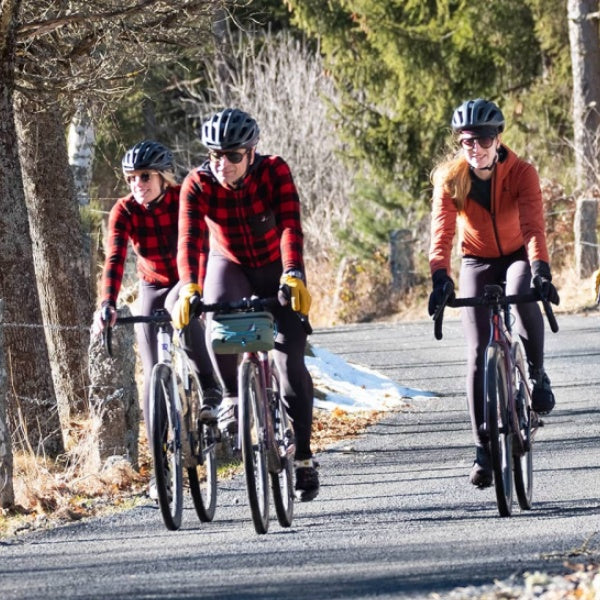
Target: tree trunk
81,151
59,257
7,494
31,405
585,60
8,13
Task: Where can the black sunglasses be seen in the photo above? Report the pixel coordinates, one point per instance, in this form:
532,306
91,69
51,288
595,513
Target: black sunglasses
143,177
233,157
483,142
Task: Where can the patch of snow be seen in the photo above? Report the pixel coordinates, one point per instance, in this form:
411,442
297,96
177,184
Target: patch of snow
354,387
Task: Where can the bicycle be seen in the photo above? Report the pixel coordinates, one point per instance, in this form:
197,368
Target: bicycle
265,433
178,437
510,423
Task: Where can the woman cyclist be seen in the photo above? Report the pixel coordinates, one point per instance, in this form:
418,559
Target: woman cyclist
148,217
250,206
498,199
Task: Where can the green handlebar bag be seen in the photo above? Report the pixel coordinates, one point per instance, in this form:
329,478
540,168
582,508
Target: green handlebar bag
233,333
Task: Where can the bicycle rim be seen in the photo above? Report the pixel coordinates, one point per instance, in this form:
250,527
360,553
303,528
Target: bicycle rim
523,460
253,447
166,449
202,478
282,484
499,429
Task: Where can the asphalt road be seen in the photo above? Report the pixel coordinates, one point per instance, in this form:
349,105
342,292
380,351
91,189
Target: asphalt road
396,517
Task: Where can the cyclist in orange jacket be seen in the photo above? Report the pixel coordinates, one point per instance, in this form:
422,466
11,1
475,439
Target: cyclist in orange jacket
498,199
249,204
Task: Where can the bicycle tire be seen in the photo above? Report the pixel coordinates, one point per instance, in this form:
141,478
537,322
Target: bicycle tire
523,451
202,478
282,483
253,448
499,429
166,448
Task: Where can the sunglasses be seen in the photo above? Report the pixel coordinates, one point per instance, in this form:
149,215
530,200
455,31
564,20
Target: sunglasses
143,177
233,157
483,142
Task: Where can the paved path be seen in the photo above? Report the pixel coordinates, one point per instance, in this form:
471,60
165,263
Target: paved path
396,517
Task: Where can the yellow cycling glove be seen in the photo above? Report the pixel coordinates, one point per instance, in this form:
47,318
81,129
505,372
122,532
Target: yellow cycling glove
596,277
299,296
181,310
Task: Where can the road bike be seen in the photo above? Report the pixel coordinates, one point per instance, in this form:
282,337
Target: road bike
510,423
265,432
178,438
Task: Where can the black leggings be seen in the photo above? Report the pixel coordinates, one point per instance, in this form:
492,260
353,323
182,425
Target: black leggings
151,298
529,324
226,281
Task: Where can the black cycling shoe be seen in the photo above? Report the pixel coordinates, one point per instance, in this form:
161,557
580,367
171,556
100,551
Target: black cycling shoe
481,473
542,398
307,480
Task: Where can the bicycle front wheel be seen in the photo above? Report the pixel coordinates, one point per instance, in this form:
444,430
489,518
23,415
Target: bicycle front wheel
166,447
254,453
499,428
202,477
523,450
282,483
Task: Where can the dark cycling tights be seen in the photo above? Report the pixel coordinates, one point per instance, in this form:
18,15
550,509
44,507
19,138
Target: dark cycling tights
151,298
474,275
227,281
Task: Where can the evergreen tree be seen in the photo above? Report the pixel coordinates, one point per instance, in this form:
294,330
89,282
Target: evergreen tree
403,65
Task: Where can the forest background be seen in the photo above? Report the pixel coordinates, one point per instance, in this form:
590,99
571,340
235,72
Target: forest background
356,95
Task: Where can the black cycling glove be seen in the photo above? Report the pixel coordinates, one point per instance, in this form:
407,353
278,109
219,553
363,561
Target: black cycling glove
542,281
440,278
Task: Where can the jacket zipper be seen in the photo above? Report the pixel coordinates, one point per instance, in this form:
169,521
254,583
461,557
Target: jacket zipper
493,214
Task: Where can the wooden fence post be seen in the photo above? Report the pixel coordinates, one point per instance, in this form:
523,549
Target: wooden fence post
586,239
402,260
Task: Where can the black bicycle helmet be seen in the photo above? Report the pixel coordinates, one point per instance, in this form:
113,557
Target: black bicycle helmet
148,155
477,114
231,128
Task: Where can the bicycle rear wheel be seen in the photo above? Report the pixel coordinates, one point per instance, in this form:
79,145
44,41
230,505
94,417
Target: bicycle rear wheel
282,483
254,454
202,477
499,428
166,447
523,450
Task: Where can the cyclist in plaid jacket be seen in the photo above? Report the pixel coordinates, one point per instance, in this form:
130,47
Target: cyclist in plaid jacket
249,205
148,218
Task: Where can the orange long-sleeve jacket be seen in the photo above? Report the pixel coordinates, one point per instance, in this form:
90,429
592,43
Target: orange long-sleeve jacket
516,218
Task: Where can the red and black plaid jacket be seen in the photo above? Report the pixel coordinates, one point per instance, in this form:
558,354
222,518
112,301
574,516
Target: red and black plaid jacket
152,230
254,225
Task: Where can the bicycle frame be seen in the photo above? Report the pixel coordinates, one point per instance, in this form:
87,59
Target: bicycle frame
190,446
165,357
501,335
260,360
509,422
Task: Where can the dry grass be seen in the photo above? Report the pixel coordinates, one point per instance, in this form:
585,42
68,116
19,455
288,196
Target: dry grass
49,493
